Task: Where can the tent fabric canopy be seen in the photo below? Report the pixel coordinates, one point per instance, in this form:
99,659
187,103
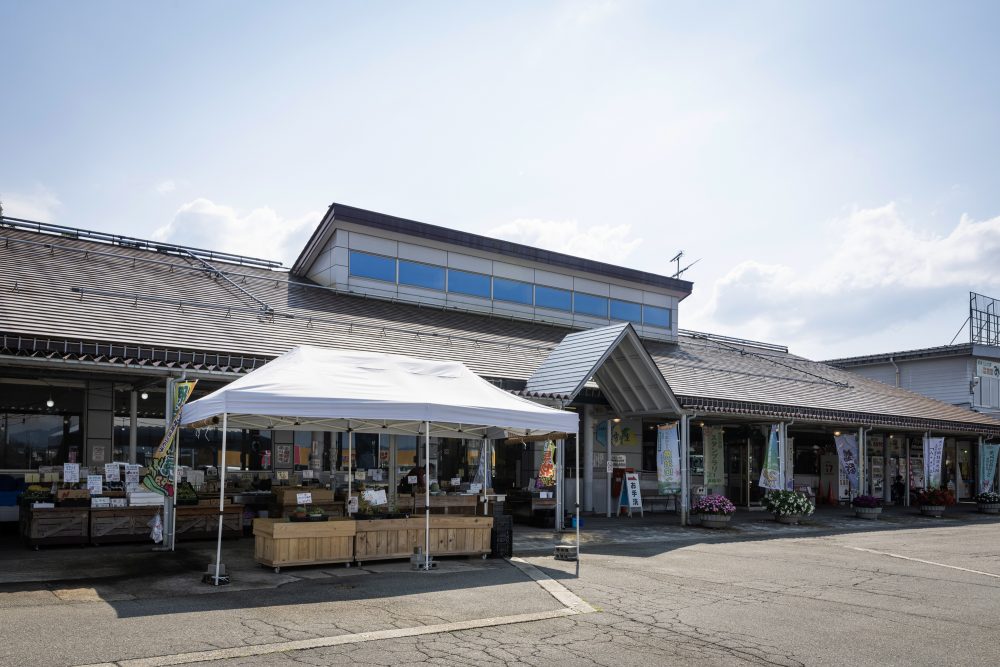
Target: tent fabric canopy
312,388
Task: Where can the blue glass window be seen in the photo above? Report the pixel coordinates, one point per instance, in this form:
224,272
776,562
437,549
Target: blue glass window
366,265
653,316
588,304
421,275
473,284
511,290
628,311
550,297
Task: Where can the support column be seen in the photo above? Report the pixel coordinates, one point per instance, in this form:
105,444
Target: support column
588,458
609,425
979,466
782,454
133,425
862,459
685,467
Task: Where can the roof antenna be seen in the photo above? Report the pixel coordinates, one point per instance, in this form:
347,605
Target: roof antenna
680,271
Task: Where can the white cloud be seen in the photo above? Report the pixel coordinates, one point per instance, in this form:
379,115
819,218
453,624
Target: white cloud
879,273
165,187
260,233
40,205
606,243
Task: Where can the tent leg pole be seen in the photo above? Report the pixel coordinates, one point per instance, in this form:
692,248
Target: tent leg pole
427,495
576,440
350,470
222,496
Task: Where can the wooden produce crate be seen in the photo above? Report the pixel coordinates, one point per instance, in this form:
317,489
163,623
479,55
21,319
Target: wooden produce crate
286,495
460,535
121,524
333,508
198,522
460,505
57,525
380,539
278,543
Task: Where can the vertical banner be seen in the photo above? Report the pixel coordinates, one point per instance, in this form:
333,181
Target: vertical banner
160,478
847,451
668,458
715,464
547,470
988,454
933,449
770,472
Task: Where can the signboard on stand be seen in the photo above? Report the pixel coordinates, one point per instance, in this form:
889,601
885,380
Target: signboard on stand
631,496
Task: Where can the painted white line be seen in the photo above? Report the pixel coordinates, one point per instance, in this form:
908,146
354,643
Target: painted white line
572,605
566,597
926,562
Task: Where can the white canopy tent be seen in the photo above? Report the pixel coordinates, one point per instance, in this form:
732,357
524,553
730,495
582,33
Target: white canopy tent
317,389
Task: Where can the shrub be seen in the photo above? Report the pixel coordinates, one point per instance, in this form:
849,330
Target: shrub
935,497
787,503
866,501
988,498
714,504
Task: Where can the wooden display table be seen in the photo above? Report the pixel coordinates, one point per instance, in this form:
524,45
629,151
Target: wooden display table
278,542
381,539
201,522
121,524
461,505
56,525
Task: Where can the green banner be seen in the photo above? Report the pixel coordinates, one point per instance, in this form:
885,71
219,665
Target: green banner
160,478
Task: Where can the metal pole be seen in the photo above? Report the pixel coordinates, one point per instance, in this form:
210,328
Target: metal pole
427,495
576,440
560,487
350,472
685,468
607,465
177,464
906,458
133,425
168,505
222,496
588,457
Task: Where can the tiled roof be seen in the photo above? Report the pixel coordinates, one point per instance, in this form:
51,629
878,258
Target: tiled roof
170,311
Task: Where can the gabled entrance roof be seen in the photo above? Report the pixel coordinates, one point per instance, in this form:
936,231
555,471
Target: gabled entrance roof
615,358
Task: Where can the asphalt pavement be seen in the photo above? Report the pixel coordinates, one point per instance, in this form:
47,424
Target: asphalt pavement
917,593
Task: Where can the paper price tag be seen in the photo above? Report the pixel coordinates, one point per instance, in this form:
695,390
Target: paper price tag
304,498
359,475
111,472
308,474
51,477
31,477
412,479
456,481
475,488
352,505
611,467
71,473
95,484
282,474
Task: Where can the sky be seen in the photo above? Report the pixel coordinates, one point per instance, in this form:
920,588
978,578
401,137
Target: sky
832,166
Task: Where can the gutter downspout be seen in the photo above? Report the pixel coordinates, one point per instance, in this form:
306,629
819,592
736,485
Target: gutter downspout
892,360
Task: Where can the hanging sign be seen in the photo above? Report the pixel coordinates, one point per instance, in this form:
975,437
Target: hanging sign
988,455
933,449
376,497
770,472
160,478
712,442
547,470
111,472
847,450
71,473
95,485
668,459
352,505
303,498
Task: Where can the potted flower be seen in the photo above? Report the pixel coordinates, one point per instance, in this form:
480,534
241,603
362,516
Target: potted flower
714,510
933,501
988,502
867,507
788,506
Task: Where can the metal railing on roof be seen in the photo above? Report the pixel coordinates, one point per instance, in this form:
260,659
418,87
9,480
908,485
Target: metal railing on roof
733,341
132,242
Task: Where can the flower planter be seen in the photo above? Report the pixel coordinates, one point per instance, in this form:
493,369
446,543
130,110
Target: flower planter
936,511
715,520
870,513
789,519
989,508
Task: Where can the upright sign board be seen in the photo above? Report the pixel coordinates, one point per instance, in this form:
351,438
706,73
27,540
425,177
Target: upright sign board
631,496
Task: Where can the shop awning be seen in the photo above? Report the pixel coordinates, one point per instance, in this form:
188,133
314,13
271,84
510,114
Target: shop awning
617,361
314,389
